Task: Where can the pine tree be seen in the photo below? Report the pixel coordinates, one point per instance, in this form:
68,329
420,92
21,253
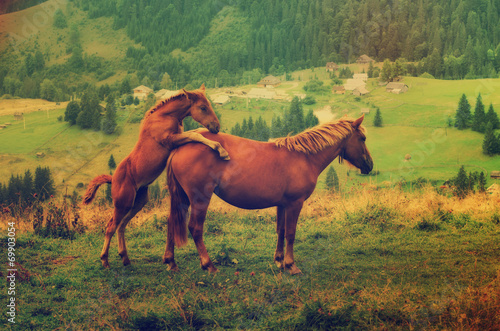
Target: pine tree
492,117
332,180
491,142
59,19
261,130
463,114
461,183
111,162
43,183
109,123
377,120
481,182
294,117
236,130
277,127
479,117
311,120
27,188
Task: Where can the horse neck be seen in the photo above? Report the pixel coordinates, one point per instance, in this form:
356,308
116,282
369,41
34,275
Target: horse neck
178,108
322,159
177,111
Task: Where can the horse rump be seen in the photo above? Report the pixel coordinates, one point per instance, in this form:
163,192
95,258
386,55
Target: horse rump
93,186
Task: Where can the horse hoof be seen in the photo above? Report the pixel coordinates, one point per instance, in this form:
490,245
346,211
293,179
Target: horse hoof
279,264
293,270
126,262
105,264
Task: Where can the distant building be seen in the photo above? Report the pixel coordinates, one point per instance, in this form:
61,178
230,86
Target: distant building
495,174
363,77
331,66
396,88
165,94
352,84
360,90
338,89
142,92
364,59
365,111
269,81
261,93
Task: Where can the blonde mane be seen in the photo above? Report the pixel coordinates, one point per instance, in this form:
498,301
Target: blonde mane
314,140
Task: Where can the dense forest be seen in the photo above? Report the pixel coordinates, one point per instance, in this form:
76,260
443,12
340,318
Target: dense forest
229,42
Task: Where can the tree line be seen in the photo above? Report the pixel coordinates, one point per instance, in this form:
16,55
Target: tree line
294,121
23,190
479,121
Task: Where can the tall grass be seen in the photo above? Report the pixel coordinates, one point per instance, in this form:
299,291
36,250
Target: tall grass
371,259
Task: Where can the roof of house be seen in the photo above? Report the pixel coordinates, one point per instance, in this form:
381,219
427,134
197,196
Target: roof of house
338,88
351,84
364,58
361,89
331,64
143,88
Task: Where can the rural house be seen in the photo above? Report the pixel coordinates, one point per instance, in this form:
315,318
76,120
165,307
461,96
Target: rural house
364,59
360,90
331,66
352,84
142,92
495,174
269,81
338,90
363,77
396,88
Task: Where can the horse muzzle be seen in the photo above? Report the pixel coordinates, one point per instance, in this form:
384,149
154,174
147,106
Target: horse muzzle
367,166
213,127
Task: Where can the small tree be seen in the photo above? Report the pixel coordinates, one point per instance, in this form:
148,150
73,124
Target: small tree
463,114
71,113
478,120
109,123
332,180
492,117
461,183
377,121
481,182
491,142
111,162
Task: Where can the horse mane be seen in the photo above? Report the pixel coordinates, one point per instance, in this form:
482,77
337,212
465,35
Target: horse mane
192,95
314,140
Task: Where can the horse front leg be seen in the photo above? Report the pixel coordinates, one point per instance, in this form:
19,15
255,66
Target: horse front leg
280,231
291,216
176,140
195,227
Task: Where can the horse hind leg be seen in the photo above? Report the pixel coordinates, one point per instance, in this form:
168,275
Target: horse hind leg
280,231
198,214
113,223
141,198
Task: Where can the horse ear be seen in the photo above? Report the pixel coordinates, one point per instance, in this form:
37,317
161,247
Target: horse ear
202,87
185,93
358,122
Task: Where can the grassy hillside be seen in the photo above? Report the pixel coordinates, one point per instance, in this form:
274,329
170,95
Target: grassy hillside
415,123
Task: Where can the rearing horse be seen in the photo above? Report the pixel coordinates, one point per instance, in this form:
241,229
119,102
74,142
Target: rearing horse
161,131
259,175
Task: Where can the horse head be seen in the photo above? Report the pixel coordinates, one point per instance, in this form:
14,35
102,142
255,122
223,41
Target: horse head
201,110
355,151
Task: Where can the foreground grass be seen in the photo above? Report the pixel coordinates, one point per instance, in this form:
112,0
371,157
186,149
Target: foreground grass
375,260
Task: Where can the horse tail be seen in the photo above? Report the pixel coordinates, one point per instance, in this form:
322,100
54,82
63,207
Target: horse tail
179,205
93,186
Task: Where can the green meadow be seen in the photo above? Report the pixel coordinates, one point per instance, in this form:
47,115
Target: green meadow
371,260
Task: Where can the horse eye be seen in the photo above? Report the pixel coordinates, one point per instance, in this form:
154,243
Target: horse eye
203,108
363,138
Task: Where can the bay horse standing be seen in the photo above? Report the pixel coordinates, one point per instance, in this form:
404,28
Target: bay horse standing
259,175
161,131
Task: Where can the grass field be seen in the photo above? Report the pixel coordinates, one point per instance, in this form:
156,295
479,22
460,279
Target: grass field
377,260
